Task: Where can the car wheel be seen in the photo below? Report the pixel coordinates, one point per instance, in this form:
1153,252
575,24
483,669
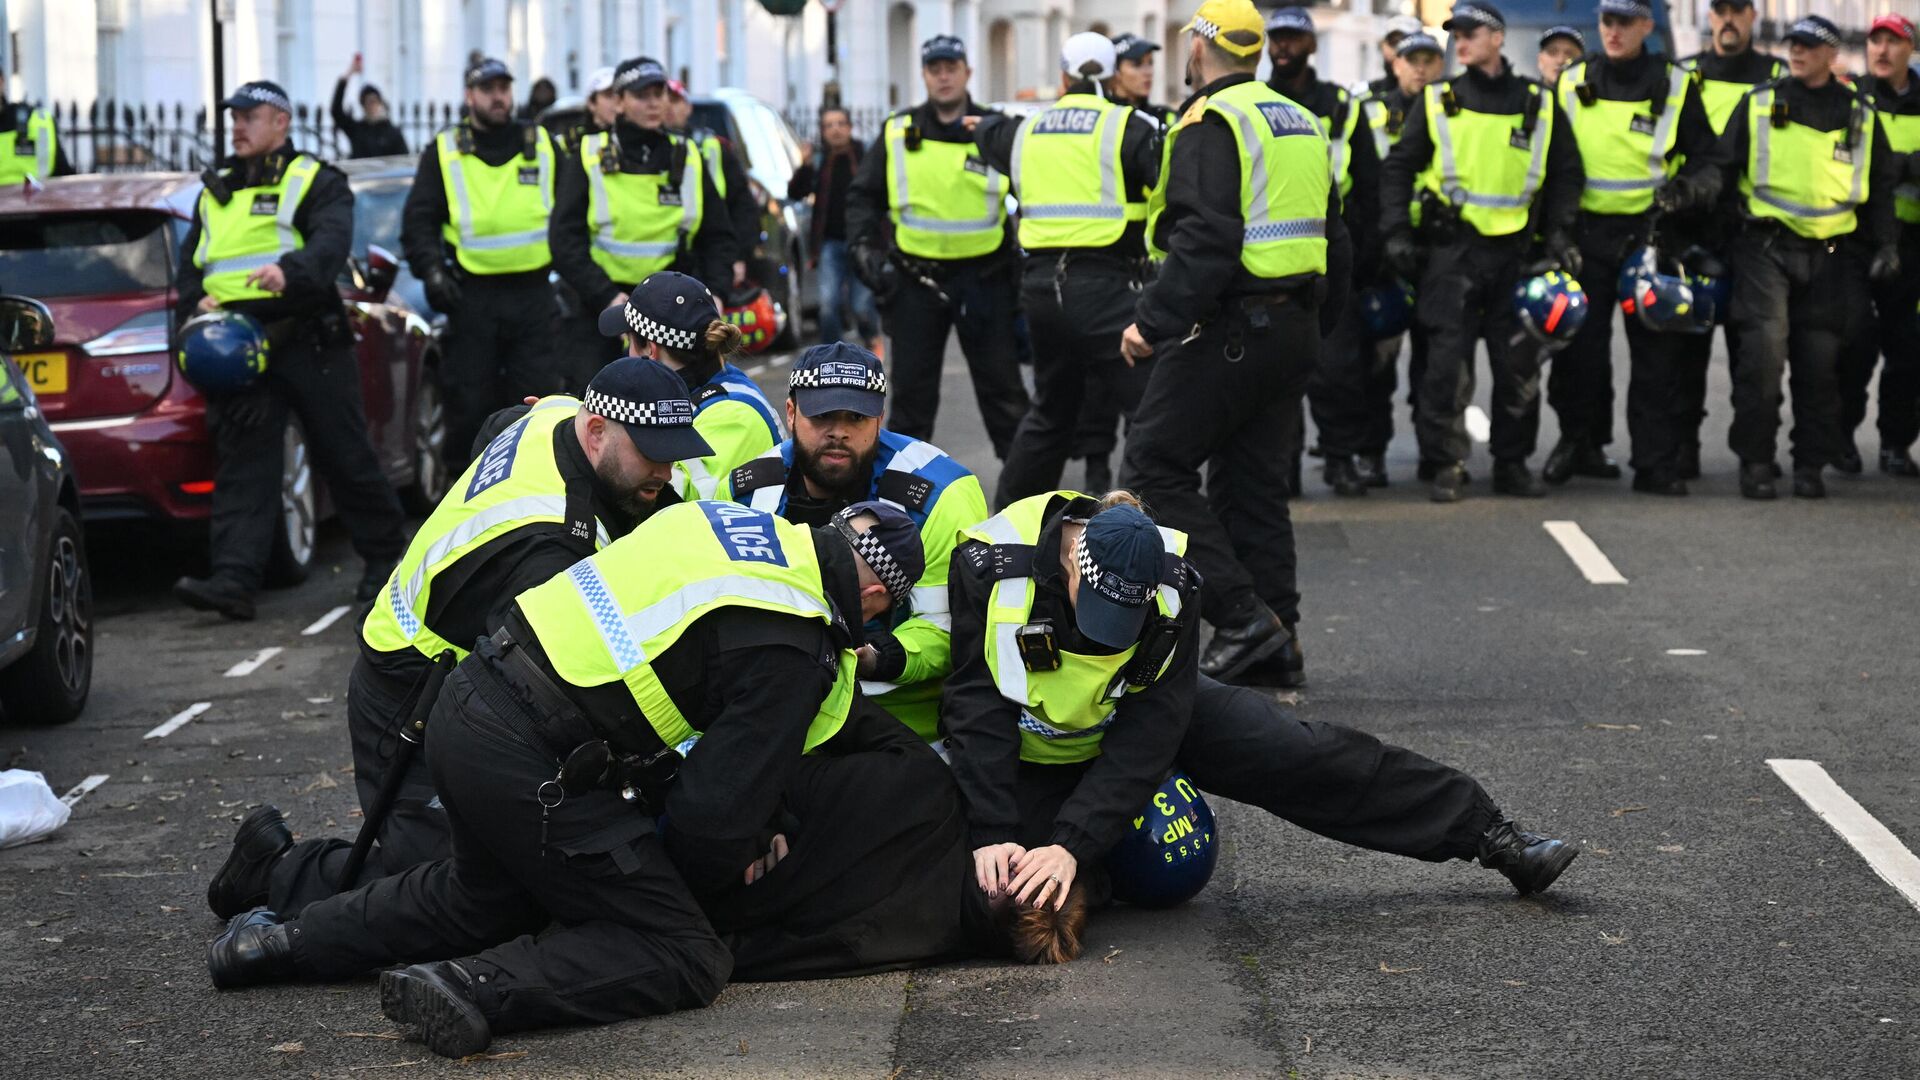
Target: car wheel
430,473
49,685
790,332
293,534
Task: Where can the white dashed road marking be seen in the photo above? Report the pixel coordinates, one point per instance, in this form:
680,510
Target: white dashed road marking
178,720
1686,652
1889,858
325,621
1584,552
1479,427
80,789
252,663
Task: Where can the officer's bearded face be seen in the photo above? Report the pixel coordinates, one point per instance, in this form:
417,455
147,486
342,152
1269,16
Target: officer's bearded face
1290,50
1622,36
835,451
1732,27
630,479
491,103
1887,53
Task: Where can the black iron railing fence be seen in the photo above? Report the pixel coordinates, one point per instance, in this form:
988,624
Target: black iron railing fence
111,136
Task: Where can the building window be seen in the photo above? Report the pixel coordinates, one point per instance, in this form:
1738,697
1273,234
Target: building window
111,24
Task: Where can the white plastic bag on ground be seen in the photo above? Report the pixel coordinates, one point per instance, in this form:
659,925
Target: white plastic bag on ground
29,810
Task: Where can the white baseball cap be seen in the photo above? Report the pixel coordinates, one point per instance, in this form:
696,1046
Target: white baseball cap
600,81
1403,25
1081,50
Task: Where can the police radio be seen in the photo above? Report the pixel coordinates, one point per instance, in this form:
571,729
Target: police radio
1039,647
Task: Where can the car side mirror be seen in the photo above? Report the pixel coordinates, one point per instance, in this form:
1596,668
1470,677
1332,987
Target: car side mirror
24,324
382,269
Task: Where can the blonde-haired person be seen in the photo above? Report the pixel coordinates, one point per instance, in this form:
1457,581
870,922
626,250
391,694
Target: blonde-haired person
673,318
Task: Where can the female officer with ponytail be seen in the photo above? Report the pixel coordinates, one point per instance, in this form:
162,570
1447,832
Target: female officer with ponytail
1074,692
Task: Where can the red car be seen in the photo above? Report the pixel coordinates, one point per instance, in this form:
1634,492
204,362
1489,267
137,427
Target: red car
101,252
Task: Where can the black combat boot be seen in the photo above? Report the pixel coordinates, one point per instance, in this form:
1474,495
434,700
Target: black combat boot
1449,484
1897,463
1372,469
1241,644
1688,464
217,593
1756,479
437,1001
1807,483
241,884
1286,668
1514,478
1849,461
1343,477
1529,860
1659,480
256,948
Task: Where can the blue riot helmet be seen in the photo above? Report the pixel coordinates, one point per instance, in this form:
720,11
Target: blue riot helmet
1551,308
1654,288
1168,853
1711,281
1386,309
222,352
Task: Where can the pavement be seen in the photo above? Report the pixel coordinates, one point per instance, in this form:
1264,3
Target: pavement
1714,925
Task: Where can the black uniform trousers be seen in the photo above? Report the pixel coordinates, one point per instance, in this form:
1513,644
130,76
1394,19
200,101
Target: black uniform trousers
619,934
1229,400
1344,389
319,382
1694,355
1795,302
414,830
499,349
1466,296
1075,317
979,306
1333,780
1580,387
1894,333
1383,378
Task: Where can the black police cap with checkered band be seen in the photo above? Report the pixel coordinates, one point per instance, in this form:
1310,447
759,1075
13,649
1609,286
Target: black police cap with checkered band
891,548
668,308
650,400
841,377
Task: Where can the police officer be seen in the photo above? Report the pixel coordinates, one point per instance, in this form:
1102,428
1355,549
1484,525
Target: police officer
29,144
927,224
601,111
1399,28
729,173
1493,164
1132,82
559,748
1082,169
674,319
1339,414
1816,189
1233,322
560,483
638,199
1896,100
269,238
1560,46
839,455
1727,69
1635,116
475,233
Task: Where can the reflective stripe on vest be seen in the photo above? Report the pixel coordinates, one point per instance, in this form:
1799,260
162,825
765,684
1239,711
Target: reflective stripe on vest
608,617
1377,115
235,241
1817,192
710,153
946,202
1621,177
1903,137
1340,143
505,230
15,166
1283,202
1068,174
642,234
1476,170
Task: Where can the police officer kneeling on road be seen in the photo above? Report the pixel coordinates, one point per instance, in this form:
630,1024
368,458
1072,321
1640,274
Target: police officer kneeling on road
1816,185
475,233
271,232
559,483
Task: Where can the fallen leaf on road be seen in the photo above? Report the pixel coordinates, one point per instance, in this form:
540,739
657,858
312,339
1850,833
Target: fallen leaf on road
1108,959
1613,939
1670,848
169,909
53,940
1625,810
325,780
1614,727
743,1048
51,918
294,1047
516,1055
1514,982
1603,851
292,714
1385,970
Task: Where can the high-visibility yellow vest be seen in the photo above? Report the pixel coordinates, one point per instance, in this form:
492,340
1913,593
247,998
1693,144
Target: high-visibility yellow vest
1810,181
712,156
1340,129
1382,125
1903,137
497,214
1284,180
946,202
1064,712
639,221
1068,175
1489,165
254,228
513,484
1626,147
28,150
1720,96
608,617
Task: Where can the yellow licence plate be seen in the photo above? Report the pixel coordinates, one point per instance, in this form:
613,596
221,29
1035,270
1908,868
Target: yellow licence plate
45,372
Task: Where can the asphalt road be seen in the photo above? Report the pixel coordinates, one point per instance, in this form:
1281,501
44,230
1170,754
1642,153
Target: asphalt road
1714,925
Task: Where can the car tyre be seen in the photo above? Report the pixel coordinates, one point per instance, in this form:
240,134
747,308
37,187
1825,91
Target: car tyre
49,685
293,533
430,474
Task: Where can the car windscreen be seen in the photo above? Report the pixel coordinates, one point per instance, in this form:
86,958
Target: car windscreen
376,213
92,254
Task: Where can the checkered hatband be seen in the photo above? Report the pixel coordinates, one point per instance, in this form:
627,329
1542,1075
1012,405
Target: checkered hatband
660,333
1111,586
673,412
876,556
816,377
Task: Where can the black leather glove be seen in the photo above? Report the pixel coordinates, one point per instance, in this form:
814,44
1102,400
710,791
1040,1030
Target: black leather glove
1676,195
1886,263
442,292
877,271
1403,256
1564,252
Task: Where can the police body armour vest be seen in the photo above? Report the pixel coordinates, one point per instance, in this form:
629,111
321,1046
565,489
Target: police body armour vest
946,202
639,221
739,423
497,214
1626,147
1720,97
712,155
1065,712
609,616
1808,180
514,483
1903,137
27,150
1340,129
1284,179
252,229
1488,165
1068,175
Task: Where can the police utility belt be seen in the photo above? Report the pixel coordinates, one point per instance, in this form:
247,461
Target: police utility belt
551,720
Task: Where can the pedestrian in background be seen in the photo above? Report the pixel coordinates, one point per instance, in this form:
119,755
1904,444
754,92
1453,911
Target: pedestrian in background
826,171
374,135
540,97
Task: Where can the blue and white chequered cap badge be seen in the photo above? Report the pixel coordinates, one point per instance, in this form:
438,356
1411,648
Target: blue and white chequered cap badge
839,373
259,94
874,553
660,333
668,412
